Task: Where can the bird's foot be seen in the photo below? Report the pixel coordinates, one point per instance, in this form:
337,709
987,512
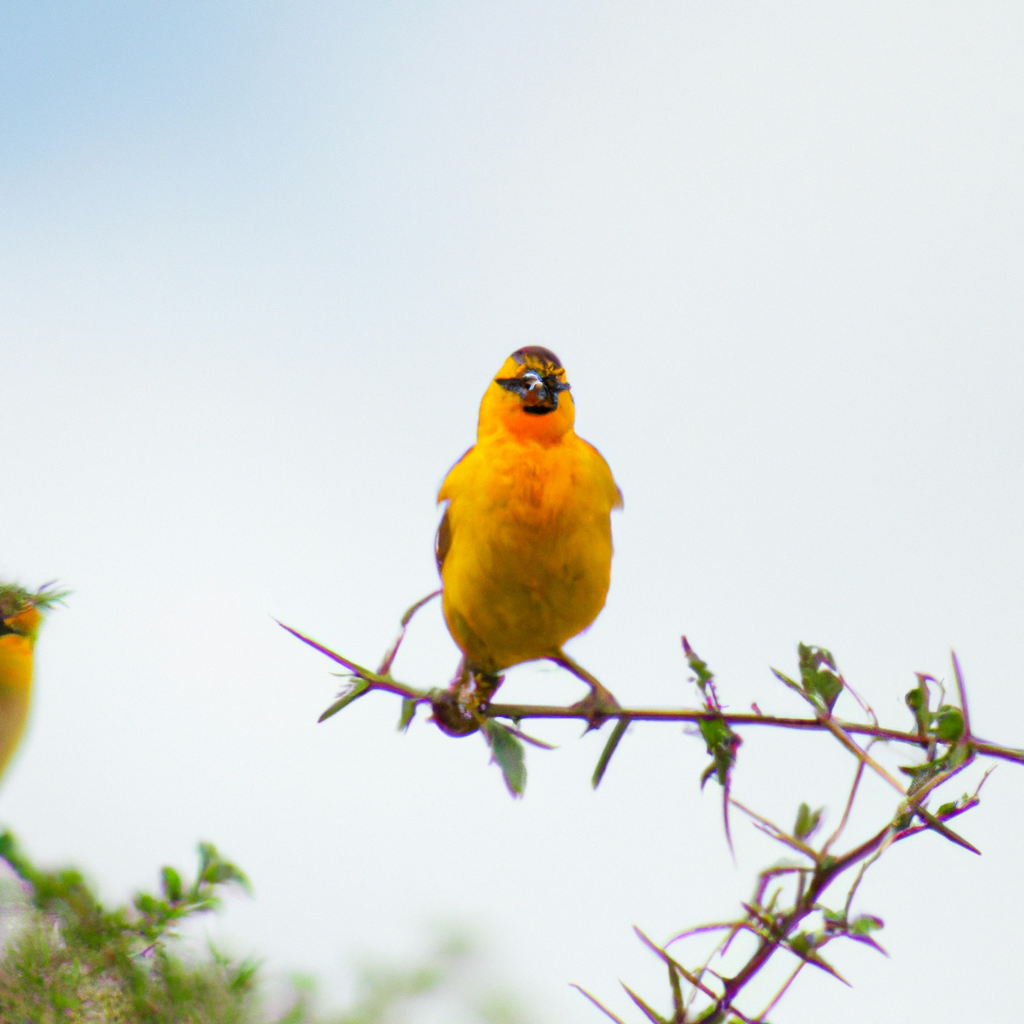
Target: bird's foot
597,707
459,710
451,715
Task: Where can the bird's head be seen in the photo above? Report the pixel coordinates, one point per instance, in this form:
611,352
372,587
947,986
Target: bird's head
524,396
25,623
21,611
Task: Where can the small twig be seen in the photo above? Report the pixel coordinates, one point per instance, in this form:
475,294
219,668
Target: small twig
846,812
782,991
912,830
972,801
911,800
773,830
705,967
998,751
389,657
963,695
786,869
646,1010
887,841
604,1009
690,977
701,930
864,705
874,847
532,740
377,681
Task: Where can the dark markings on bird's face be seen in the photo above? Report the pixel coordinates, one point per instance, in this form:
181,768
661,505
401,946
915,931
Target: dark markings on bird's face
538,393
5,629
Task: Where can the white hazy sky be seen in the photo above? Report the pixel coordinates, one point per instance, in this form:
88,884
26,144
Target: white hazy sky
257,264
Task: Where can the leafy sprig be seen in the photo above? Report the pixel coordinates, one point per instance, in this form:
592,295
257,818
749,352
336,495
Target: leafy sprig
15,598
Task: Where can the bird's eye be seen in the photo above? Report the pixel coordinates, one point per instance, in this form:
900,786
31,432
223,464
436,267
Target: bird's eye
539,394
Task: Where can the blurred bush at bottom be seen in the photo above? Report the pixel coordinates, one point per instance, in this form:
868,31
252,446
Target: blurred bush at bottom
65,958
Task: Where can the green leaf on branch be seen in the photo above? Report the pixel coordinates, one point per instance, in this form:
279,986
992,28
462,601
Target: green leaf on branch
946,724
804,946
960,754
609,748
509,755
949,723
803,943
903,821
407,715
965,801
821,680
721,743
865,924
859,928
807,821
171,882
698,667
215,870
922,774
712,1015
834,919
918,700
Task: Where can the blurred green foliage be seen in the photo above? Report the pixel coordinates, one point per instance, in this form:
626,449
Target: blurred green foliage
66,958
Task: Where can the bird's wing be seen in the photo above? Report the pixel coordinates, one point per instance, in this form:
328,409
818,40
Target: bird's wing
443,540
602,470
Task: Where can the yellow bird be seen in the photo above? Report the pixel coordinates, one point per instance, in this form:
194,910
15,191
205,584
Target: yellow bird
525,545
20,618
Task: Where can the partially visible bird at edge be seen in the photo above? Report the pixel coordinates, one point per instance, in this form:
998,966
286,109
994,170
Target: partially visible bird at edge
21,614
525,546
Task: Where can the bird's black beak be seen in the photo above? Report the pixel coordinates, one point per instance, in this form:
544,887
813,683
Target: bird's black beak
539,394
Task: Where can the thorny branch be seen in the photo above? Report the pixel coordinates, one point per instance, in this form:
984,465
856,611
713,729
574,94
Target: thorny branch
943,732
518,712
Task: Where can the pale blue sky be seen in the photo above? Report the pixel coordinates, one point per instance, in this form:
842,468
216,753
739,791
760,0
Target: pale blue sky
258,263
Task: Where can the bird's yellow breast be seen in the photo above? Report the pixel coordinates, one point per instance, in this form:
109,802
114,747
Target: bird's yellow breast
15,663
15,691
529,561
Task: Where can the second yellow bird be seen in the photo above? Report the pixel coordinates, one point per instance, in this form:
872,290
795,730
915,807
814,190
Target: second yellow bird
525,545
20,619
